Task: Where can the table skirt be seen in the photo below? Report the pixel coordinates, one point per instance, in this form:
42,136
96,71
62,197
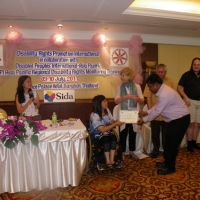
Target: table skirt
50,165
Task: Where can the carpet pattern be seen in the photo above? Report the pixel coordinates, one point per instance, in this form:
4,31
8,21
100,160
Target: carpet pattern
136,180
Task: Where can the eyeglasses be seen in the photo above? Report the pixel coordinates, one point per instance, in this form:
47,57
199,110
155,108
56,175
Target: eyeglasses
196,64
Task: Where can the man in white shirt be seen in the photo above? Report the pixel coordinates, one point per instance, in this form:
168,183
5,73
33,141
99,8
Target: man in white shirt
174,111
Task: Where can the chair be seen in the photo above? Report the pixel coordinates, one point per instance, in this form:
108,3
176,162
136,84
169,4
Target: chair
96,157
139,139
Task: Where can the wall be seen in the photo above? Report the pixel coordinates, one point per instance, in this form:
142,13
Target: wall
178,58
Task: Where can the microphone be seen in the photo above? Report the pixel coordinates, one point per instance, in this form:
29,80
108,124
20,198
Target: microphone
31,94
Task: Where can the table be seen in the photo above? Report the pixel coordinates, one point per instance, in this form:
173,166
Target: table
59,160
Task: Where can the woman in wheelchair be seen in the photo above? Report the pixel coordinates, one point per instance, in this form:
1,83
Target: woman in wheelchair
101,125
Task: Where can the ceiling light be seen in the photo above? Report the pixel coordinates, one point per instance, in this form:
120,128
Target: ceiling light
10,26
106,29
60,25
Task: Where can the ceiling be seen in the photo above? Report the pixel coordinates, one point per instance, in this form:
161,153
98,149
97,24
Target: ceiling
97,15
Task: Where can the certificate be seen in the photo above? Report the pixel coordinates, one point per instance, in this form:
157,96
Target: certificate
128,116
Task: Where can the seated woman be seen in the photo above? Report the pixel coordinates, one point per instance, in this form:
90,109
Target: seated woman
101,124
27,101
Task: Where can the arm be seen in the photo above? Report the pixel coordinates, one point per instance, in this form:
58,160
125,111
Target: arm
20,108
104,129
139,98
148,95
149,103
118,98
180,90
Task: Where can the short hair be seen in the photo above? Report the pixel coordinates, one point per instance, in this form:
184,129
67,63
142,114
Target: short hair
154,78
129,72
161,65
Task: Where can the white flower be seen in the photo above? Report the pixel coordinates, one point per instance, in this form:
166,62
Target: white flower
1,129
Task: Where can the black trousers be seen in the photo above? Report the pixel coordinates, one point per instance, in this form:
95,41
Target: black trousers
175,133
132,138
158,127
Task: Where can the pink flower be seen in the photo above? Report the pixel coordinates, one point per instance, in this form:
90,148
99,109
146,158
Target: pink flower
14,118
22,118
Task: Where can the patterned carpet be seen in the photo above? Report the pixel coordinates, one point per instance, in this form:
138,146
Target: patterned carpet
136,180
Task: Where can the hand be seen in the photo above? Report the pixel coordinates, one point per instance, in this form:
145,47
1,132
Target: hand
142,113
35,102
136,98
187,101
30,101
140,122
119,123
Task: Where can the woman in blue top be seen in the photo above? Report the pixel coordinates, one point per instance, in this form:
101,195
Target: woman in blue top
101,124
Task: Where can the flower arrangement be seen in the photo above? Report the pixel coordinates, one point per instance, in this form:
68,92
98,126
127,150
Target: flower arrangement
18,129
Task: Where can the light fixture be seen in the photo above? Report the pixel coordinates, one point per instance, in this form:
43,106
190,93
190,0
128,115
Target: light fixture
106,29
60,25
14,37
150,65
99,39
10,26
58,39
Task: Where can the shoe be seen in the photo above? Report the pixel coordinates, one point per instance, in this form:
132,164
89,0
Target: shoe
161,165
154,155
109,166
190,146
195,145
165,171
190,149
117,165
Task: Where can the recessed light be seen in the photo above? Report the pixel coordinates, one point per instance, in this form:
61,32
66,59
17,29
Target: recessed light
10,26
60,25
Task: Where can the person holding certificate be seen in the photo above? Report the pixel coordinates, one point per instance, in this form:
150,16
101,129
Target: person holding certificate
128,96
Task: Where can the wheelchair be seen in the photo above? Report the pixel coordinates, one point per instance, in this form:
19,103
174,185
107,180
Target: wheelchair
96,157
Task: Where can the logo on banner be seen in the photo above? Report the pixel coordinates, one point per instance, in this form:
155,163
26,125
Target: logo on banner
119,57
51,96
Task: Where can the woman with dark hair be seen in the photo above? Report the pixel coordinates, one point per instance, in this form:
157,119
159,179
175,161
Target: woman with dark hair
189,89
101,124
27,101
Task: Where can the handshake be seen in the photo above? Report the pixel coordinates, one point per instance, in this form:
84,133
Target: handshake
141,114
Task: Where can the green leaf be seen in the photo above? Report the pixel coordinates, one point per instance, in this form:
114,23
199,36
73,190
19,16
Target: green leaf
9,143
21,138
34,140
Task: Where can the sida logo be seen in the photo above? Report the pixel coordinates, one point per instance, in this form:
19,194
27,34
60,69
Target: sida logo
49,96
59,96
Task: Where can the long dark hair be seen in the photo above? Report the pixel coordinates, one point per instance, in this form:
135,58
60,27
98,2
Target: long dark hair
20,88
96,105
191,67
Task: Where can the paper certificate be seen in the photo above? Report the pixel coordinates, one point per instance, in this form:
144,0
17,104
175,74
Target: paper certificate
128,116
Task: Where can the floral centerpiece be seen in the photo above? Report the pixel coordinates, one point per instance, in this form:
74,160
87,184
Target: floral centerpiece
18,129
